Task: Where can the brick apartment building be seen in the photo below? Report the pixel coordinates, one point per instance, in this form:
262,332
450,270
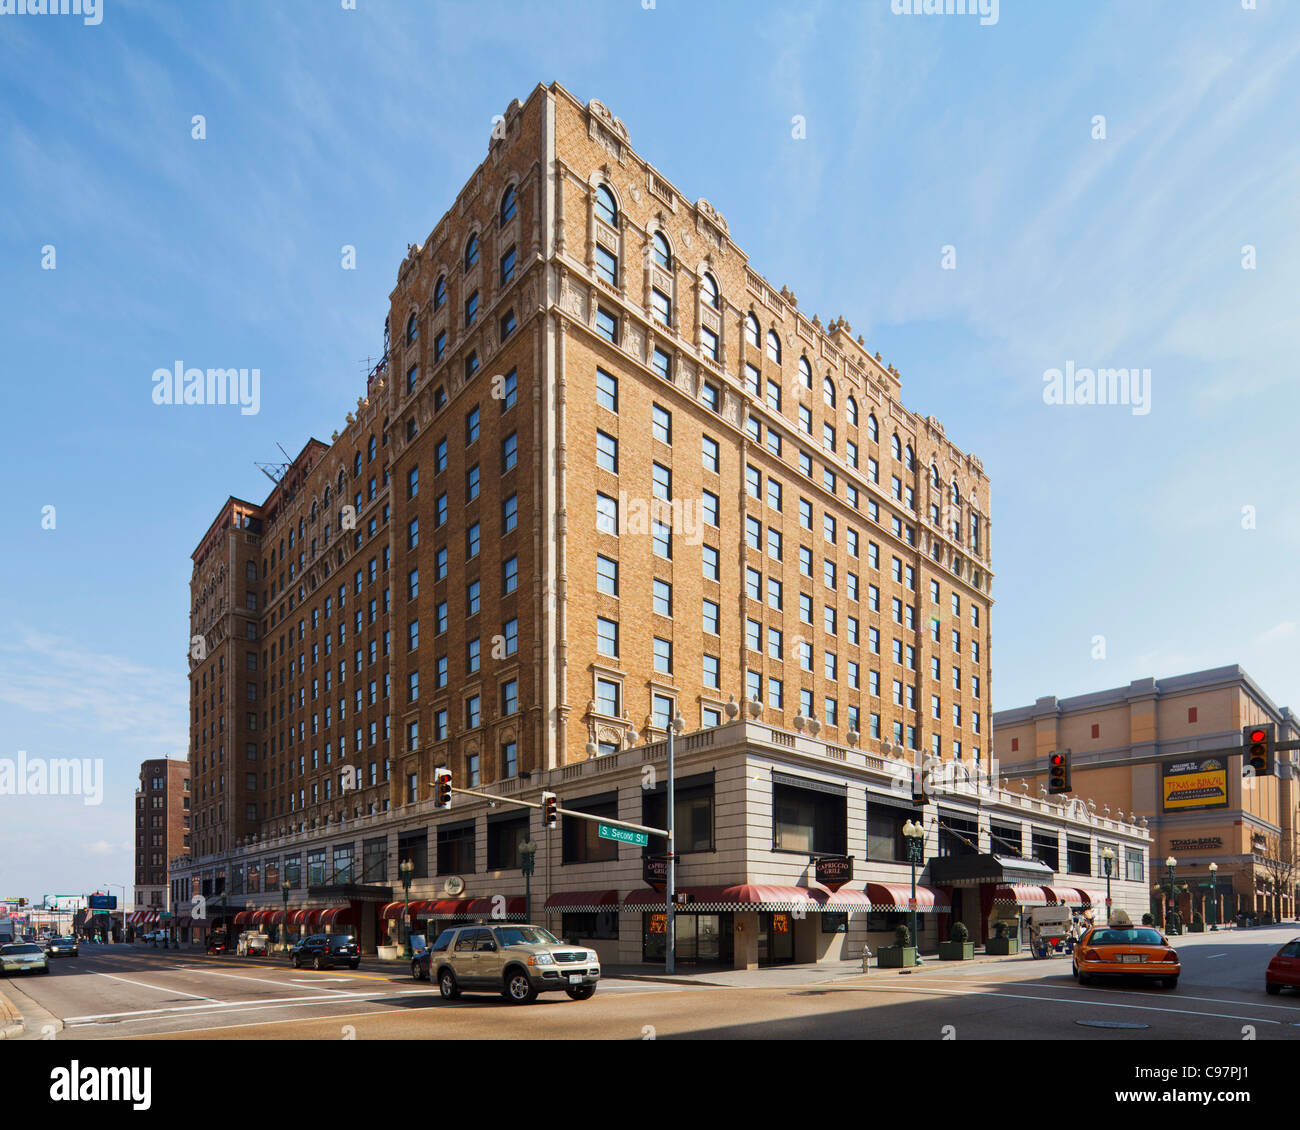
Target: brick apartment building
1149,749
605,474
162,827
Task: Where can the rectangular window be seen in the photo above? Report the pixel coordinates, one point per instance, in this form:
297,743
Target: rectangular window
607,325
606,390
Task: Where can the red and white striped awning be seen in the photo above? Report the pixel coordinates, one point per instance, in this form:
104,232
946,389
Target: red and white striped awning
1091,898
1020,894
1065,896
896,897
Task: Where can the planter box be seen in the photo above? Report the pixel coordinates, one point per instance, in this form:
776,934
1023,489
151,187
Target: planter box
956,951
896,957
1002,947
390,953
1196,928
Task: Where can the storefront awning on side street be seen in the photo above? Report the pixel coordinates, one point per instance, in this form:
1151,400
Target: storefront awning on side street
394,910
1091,898
895,897
336,916
1018,894
244,918
590,902
511,908
1066,896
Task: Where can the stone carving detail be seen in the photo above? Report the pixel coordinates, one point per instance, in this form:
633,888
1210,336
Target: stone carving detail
712,214
599,110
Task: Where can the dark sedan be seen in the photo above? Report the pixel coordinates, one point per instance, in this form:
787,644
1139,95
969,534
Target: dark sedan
62,947
324,951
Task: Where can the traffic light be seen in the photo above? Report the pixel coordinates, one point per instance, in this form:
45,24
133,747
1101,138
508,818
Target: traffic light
1058,772
442,788
550,810
1257,748
918,785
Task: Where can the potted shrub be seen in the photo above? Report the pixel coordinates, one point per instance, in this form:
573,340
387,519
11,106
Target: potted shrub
1000,943
958,947
1197,925
901,955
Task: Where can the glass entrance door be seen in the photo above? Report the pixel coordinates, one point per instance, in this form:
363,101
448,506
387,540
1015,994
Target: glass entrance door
775,939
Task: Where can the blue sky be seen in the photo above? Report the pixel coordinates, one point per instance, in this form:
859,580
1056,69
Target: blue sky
328,127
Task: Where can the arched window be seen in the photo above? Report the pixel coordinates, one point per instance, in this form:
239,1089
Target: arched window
751,330
828,391
873,428
773,345
934,475
313,511
896,446
440,292
606,209
955,494
851,406
326,500
471,251
662,252
709,290
909,458
507,205
342,482
412,329
370,450
805,373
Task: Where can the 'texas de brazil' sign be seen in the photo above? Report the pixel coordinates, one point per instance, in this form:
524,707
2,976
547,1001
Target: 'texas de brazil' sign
1195,783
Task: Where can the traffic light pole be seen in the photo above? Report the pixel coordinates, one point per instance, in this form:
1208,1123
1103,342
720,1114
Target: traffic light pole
570,812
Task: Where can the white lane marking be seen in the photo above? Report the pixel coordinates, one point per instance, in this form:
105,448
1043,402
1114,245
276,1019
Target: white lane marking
1212,956
1095,1004
232,1005
160,988
1129,992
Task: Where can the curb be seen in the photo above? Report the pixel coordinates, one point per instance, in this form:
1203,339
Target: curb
11,1020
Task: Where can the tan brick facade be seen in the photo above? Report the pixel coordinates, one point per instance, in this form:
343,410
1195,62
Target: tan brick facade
530,513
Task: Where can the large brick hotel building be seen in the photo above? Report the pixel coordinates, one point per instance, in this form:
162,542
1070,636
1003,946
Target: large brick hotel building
605,474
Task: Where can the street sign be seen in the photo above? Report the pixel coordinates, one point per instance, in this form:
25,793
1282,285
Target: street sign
622,835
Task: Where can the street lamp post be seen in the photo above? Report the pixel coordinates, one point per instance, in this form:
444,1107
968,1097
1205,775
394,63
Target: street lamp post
528,859
407,869
284,922
1171,863
675,726
1214,896
914,834
1108,865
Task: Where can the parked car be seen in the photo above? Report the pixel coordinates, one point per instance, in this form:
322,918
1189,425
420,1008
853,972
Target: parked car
1284,969
324,951
218,942
24,957
1126,950
252,943
517,961
62,947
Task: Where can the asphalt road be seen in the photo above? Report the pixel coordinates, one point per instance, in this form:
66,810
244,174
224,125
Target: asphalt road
120,992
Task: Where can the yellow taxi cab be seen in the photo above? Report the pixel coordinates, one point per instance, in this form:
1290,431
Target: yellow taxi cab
1124,950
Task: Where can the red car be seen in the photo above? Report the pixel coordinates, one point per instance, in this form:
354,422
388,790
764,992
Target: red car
1284,969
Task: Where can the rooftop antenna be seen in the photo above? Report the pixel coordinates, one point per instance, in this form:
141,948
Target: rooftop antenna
276,471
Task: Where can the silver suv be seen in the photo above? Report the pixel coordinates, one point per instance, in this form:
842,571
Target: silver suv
514,960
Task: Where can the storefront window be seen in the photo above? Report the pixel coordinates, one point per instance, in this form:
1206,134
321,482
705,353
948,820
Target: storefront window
581,843
293,871
693,801
590,926
885,831
702,939
505,834
415,847
1047,848
315,868
808,820
343,863
456,849
374,860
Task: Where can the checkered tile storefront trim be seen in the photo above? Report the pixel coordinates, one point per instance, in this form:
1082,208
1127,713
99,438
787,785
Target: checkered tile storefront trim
592,909
904,909
764,907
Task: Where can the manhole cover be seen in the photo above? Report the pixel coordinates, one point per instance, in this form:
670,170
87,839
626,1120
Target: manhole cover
1111,1024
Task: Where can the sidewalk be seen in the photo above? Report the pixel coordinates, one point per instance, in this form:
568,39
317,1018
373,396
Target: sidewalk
11,1020
787,976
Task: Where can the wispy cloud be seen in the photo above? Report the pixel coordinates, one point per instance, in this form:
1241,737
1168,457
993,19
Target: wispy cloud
95,690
